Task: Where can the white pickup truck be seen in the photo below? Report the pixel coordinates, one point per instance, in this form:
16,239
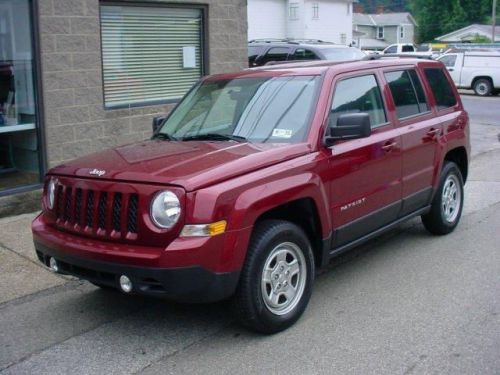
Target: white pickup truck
407,49
479,71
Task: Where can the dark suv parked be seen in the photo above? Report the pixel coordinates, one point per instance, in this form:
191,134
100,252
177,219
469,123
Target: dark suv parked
258,178
261,52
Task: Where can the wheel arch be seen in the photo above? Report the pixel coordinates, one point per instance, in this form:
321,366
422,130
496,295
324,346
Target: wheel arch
458,155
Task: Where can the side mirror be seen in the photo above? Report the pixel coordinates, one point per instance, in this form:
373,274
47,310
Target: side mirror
348,126
158,122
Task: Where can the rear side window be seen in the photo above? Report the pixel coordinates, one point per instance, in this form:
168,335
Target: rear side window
304,54
359,95
407,93
408,49
443,93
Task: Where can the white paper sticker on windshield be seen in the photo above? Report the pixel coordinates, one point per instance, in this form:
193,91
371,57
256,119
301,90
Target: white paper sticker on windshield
282,133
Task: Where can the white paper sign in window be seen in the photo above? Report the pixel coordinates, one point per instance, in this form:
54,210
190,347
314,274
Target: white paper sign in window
189,57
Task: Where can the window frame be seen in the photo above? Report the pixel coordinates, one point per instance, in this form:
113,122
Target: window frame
344,77
204,55
293,16
425,88
315,11
452,86
379,28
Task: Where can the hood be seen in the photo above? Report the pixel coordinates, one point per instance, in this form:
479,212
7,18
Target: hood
192,165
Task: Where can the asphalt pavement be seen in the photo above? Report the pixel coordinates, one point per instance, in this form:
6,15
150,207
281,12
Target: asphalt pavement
406,303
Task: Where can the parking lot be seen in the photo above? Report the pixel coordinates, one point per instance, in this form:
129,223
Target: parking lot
407,303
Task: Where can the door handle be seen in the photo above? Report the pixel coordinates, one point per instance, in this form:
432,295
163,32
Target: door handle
389,146
451,69
433,132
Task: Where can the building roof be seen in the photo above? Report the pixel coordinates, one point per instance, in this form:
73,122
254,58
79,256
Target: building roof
469,32
384,19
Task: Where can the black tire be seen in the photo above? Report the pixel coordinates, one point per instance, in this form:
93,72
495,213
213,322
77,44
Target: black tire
483,87
441,220
250,303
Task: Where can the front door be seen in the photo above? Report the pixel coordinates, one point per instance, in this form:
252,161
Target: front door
365,174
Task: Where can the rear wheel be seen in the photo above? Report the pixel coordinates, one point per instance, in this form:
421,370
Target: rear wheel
277,277
483,87
446,208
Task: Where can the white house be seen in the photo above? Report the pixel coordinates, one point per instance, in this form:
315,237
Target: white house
469,33
328,20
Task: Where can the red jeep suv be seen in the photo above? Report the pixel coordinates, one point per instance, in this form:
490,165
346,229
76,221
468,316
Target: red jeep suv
258,178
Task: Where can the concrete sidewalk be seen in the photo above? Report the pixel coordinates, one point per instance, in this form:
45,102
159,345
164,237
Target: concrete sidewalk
21,274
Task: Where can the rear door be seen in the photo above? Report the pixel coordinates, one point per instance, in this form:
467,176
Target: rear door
274,54
420,132
365,174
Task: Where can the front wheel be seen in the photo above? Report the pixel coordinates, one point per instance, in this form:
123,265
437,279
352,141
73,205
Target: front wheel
277,277
447,204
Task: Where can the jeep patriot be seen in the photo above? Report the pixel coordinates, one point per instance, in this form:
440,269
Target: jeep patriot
257,179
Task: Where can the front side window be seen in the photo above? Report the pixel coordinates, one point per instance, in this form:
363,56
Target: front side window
261,110
392,49
443,93
150,55
359,95
275,54
407,93
449,60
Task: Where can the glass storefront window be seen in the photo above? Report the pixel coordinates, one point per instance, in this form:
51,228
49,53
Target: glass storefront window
19,145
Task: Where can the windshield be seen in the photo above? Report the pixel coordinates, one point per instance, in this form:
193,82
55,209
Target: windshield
261,110
342,54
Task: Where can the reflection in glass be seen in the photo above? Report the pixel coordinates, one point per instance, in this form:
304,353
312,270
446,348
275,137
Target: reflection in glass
19,160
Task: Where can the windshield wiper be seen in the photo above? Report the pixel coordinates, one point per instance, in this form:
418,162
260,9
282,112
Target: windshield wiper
215,137
164,137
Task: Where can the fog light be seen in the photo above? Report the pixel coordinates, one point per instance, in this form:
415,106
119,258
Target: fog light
53,264
125,284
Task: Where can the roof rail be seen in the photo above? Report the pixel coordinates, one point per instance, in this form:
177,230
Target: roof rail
400,56
290,41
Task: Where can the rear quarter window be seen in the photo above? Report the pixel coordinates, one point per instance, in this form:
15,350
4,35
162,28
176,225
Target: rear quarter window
441,88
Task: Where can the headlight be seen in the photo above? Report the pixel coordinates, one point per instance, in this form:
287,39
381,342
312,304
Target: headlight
51,193
165,210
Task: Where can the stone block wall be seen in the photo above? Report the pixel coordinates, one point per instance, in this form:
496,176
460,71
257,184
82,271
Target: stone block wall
75,122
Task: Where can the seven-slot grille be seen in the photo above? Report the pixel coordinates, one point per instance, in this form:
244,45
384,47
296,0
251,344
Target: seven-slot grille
107,213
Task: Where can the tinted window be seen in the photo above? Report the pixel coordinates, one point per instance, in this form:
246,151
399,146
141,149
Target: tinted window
359,94
422,101
253,53
443,93
408,49
408,94
275,54
303,54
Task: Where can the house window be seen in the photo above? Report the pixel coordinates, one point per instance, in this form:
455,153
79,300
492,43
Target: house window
293,12
401,32
151,55
343,38
380,32
315,11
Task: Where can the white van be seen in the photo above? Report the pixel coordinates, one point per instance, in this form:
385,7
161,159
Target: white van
479,71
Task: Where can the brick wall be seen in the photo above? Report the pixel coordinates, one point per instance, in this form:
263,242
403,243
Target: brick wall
75,121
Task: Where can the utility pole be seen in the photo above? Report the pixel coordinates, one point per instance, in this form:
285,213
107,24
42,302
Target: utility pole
493,20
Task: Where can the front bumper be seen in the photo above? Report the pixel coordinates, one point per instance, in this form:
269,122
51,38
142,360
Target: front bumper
185,284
